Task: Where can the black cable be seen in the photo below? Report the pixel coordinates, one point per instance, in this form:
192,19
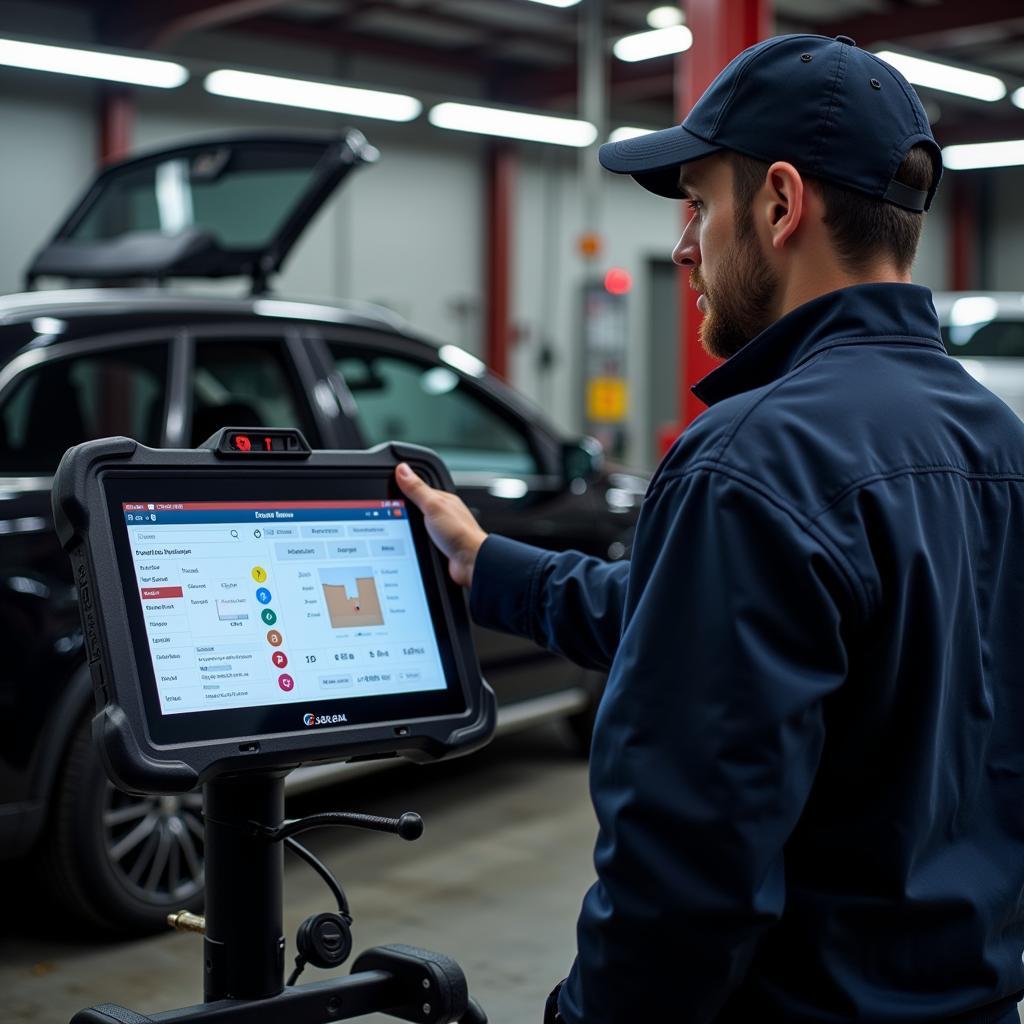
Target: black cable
409,826
325,873
294,976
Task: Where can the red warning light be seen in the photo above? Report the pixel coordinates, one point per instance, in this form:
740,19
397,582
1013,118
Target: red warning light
242,443
618,281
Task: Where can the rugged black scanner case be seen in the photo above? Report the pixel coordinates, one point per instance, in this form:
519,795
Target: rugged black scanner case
120,727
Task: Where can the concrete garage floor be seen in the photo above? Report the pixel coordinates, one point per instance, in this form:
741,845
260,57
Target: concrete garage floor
495,881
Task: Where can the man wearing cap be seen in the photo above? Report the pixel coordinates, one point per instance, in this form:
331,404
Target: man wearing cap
808,765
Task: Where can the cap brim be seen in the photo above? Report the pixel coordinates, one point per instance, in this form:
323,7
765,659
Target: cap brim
654,159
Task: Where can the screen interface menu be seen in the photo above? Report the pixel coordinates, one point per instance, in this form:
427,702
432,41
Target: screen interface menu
248,604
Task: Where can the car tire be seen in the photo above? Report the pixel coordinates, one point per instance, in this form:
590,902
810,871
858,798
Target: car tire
115,861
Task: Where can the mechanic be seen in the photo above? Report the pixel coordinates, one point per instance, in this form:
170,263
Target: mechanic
808,765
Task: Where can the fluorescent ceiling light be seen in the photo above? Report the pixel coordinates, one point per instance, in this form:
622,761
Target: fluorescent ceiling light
110,67
294,92
665,17
628,132
657,43
512,124
557,3
984,154
1017,99
946,77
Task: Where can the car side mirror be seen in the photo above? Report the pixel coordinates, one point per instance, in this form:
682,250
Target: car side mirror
582,459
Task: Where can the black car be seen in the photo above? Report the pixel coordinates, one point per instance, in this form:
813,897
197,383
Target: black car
169,369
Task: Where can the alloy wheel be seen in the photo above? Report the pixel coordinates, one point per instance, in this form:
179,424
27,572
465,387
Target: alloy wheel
155,844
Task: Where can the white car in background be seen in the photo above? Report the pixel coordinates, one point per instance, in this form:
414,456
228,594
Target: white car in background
985,331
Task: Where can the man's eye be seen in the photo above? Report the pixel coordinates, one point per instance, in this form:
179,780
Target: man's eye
694,205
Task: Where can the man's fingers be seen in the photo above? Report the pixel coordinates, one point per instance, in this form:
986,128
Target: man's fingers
415,489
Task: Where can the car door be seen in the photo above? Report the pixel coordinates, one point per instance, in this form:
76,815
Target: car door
505,468
247,376
50,399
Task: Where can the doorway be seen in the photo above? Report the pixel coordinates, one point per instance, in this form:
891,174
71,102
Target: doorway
661,392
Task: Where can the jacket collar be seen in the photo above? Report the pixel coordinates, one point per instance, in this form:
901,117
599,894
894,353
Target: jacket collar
861,313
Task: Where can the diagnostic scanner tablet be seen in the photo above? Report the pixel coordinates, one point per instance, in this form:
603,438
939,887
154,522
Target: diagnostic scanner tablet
255,605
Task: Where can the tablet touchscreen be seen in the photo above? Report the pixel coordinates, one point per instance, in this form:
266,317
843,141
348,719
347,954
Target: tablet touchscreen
258,610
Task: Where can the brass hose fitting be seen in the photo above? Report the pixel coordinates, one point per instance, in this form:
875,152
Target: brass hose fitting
183,921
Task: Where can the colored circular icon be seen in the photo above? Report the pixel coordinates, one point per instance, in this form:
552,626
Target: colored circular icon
286,682
263,595
269,616
274,638
279,658
259,574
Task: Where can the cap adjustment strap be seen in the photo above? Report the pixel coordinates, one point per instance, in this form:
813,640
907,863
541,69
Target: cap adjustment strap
909,198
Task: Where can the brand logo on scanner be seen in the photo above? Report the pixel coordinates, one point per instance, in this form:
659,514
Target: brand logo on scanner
309,720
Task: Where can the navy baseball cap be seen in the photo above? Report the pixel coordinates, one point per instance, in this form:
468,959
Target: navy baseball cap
826,106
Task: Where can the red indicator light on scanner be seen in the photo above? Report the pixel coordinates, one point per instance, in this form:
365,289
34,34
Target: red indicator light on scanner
283,442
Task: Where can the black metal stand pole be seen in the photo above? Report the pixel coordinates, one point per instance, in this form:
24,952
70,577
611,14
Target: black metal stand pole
244,942
244,946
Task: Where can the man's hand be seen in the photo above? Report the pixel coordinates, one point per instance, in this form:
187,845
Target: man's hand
450,524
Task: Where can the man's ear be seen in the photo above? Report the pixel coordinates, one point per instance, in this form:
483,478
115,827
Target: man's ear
784,202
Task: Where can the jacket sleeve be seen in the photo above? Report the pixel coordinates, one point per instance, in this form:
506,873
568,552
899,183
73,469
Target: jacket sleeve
706,746
567,602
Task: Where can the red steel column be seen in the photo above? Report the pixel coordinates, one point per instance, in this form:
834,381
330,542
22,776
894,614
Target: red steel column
501,170
117,123
721,29
963,244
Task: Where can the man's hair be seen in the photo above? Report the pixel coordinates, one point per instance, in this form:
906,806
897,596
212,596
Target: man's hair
860,226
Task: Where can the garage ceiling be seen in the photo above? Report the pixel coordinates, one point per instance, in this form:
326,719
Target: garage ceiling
525,53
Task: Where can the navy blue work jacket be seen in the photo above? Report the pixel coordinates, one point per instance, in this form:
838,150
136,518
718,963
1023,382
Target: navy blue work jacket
808,766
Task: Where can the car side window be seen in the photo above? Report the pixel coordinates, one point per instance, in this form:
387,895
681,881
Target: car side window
243,382
64,401
401,399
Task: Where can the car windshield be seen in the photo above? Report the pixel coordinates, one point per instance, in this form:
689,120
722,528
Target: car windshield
240,194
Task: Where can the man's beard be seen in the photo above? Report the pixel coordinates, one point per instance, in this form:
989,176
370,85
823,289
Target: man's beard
740,302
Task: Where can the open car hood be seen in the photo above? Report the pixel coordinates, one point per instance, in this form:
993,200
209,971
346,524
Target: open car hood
218,208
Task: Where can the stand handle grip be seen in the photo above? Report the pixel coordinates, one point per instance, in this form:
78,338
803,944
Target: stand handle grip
408,826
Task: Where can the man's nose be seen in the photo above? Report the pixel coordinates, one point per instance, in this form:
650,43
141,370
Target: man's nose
687,252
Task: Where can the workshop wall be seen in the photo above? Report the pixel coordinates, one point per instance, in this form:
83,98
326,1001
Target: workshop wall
47,155
408,233
550,275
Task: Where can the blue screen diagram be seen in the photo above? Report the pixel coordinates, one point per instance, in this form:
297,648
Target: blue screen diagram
249,605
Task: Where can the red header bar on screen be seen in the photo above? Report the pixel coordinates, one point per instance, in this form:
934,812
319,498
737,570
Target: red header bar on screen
160,593
250,506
